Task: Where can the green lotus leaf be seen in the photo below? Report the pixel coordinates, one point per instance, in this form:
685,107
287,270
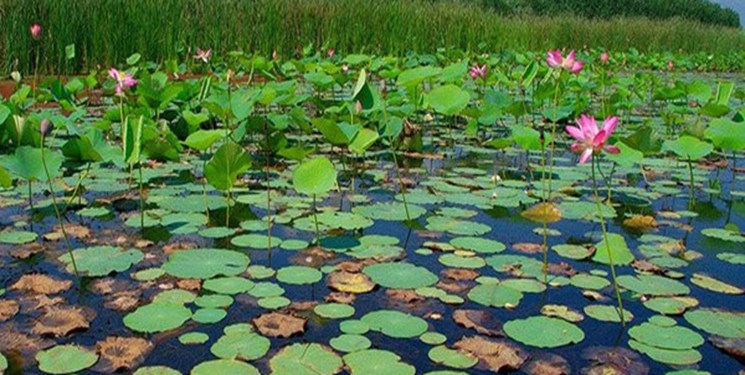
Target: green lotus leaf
395,324
543,332
306,359
157,317
102,260
400,275
205,263
65,359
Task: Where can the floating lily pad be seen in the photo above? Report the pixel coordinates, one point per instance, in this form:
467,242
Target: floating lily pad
670,305
306,359
205,263
400,275
65,359
672,337
452,358
213,301
606,313
255,241
671,357
209,315
456,226
334,310
479,245
18,237
395,324
224,367
543,332
349,343
710,283
618,248
241,345
102,260
433,338
299,275
718,322
376,361
573,251
193,338
157,317
495,295
457,261
156,370
653,285
228,285
390,211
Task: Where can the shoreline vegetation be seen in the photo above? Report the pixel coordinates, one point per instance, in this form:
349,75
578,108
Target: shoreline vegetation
106,32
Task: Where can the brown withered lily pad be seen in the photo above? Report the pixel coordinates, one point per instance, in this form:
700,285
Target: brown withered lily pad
480,320
26,251
72,230
613,361
59,321
8,309
493,355
732,346
528,247
34,303
41,284
349,282
453,286
641,223
121,353
14,340
276,324
459,274
547,364
341,297
314,257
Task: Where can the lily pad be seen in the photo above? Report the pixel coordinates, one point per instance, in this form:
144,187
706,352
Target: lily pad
390,211
395,324
157,317
478,244
606,313
718,322
452,358
306,359
653,285
400,275
18,237
377,362
65,359
224,367
205,263
102,260
543,332
299,275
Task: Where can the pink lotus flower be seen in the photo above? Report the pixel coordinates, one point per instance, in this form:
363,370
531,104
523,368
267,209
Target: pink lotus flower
203,55
590,139
477,71
604,57
670,65
331,52
555,60
35,30
123,80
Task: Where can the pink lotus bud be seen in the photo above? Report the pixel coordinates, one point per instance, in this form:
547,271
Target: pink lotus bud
331,52
345,69
358,106
274,55
670,65
44,127
35,30
604,57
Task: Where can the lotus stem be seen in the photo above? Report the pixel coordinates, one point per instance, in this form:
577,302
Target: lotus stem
607,244
56,209
690,175
315,218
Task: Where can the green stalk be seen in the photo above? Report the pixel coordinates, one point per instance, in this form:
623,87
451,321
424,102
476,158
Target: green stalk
690,174
142,201
607,244
315,218
268,190
56,209
395,165
553,142
78,184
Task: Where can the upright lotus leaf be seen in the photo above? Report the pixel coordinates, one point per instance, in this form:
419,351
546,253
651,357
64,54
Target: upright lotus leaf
89,147
314,177
618,248
306,359
132,142
646,139
528,138
26,163
363,140
448,100
727,134
688,147
335,132
413,77
362,92
202,140
543,332
6,180
226,165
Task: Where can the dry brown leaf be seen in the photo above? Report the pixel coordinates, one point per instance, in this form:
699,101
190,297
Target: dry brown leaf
348,282
494,355
314,257
8,309
479,320
14,340
452,286
547,364
460,274
121,353
26,251
641,223
613,360
72,230
341,297
542,213
41,284
276,324
528,248
59,321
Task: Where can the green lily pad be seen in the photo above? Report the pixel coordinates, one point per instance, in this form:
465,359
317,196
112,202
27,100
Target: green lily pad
157,317
400,275
214,301
618,248
479,245
299,275
452,358
205,263
156,370
228,285
671,357
354,326
456,226
670,305
390,211
587,281
209,315
334,310
376,361
710,283
306,359
224,367
653,285
240,345
457,261
495,295
718,322
193,338
65,359
274,302
314,177
606,313
572,251
102,260
350,343
543,332
433,338
673,337
395,324
18,237
255,241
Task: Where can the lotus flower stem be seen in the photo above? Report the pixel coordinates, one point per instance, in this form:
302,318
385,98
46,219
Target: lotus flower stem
395,165
76,190
607,244
268,190
142,200
227,208
56,209
690,175
553,144
315,219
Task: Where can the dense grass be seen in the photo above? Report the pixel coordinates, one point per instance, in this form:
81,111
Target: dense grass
105,32
700,10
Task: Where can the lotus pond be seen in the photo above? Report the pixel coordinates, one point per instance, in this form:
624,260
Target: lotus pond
374,215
